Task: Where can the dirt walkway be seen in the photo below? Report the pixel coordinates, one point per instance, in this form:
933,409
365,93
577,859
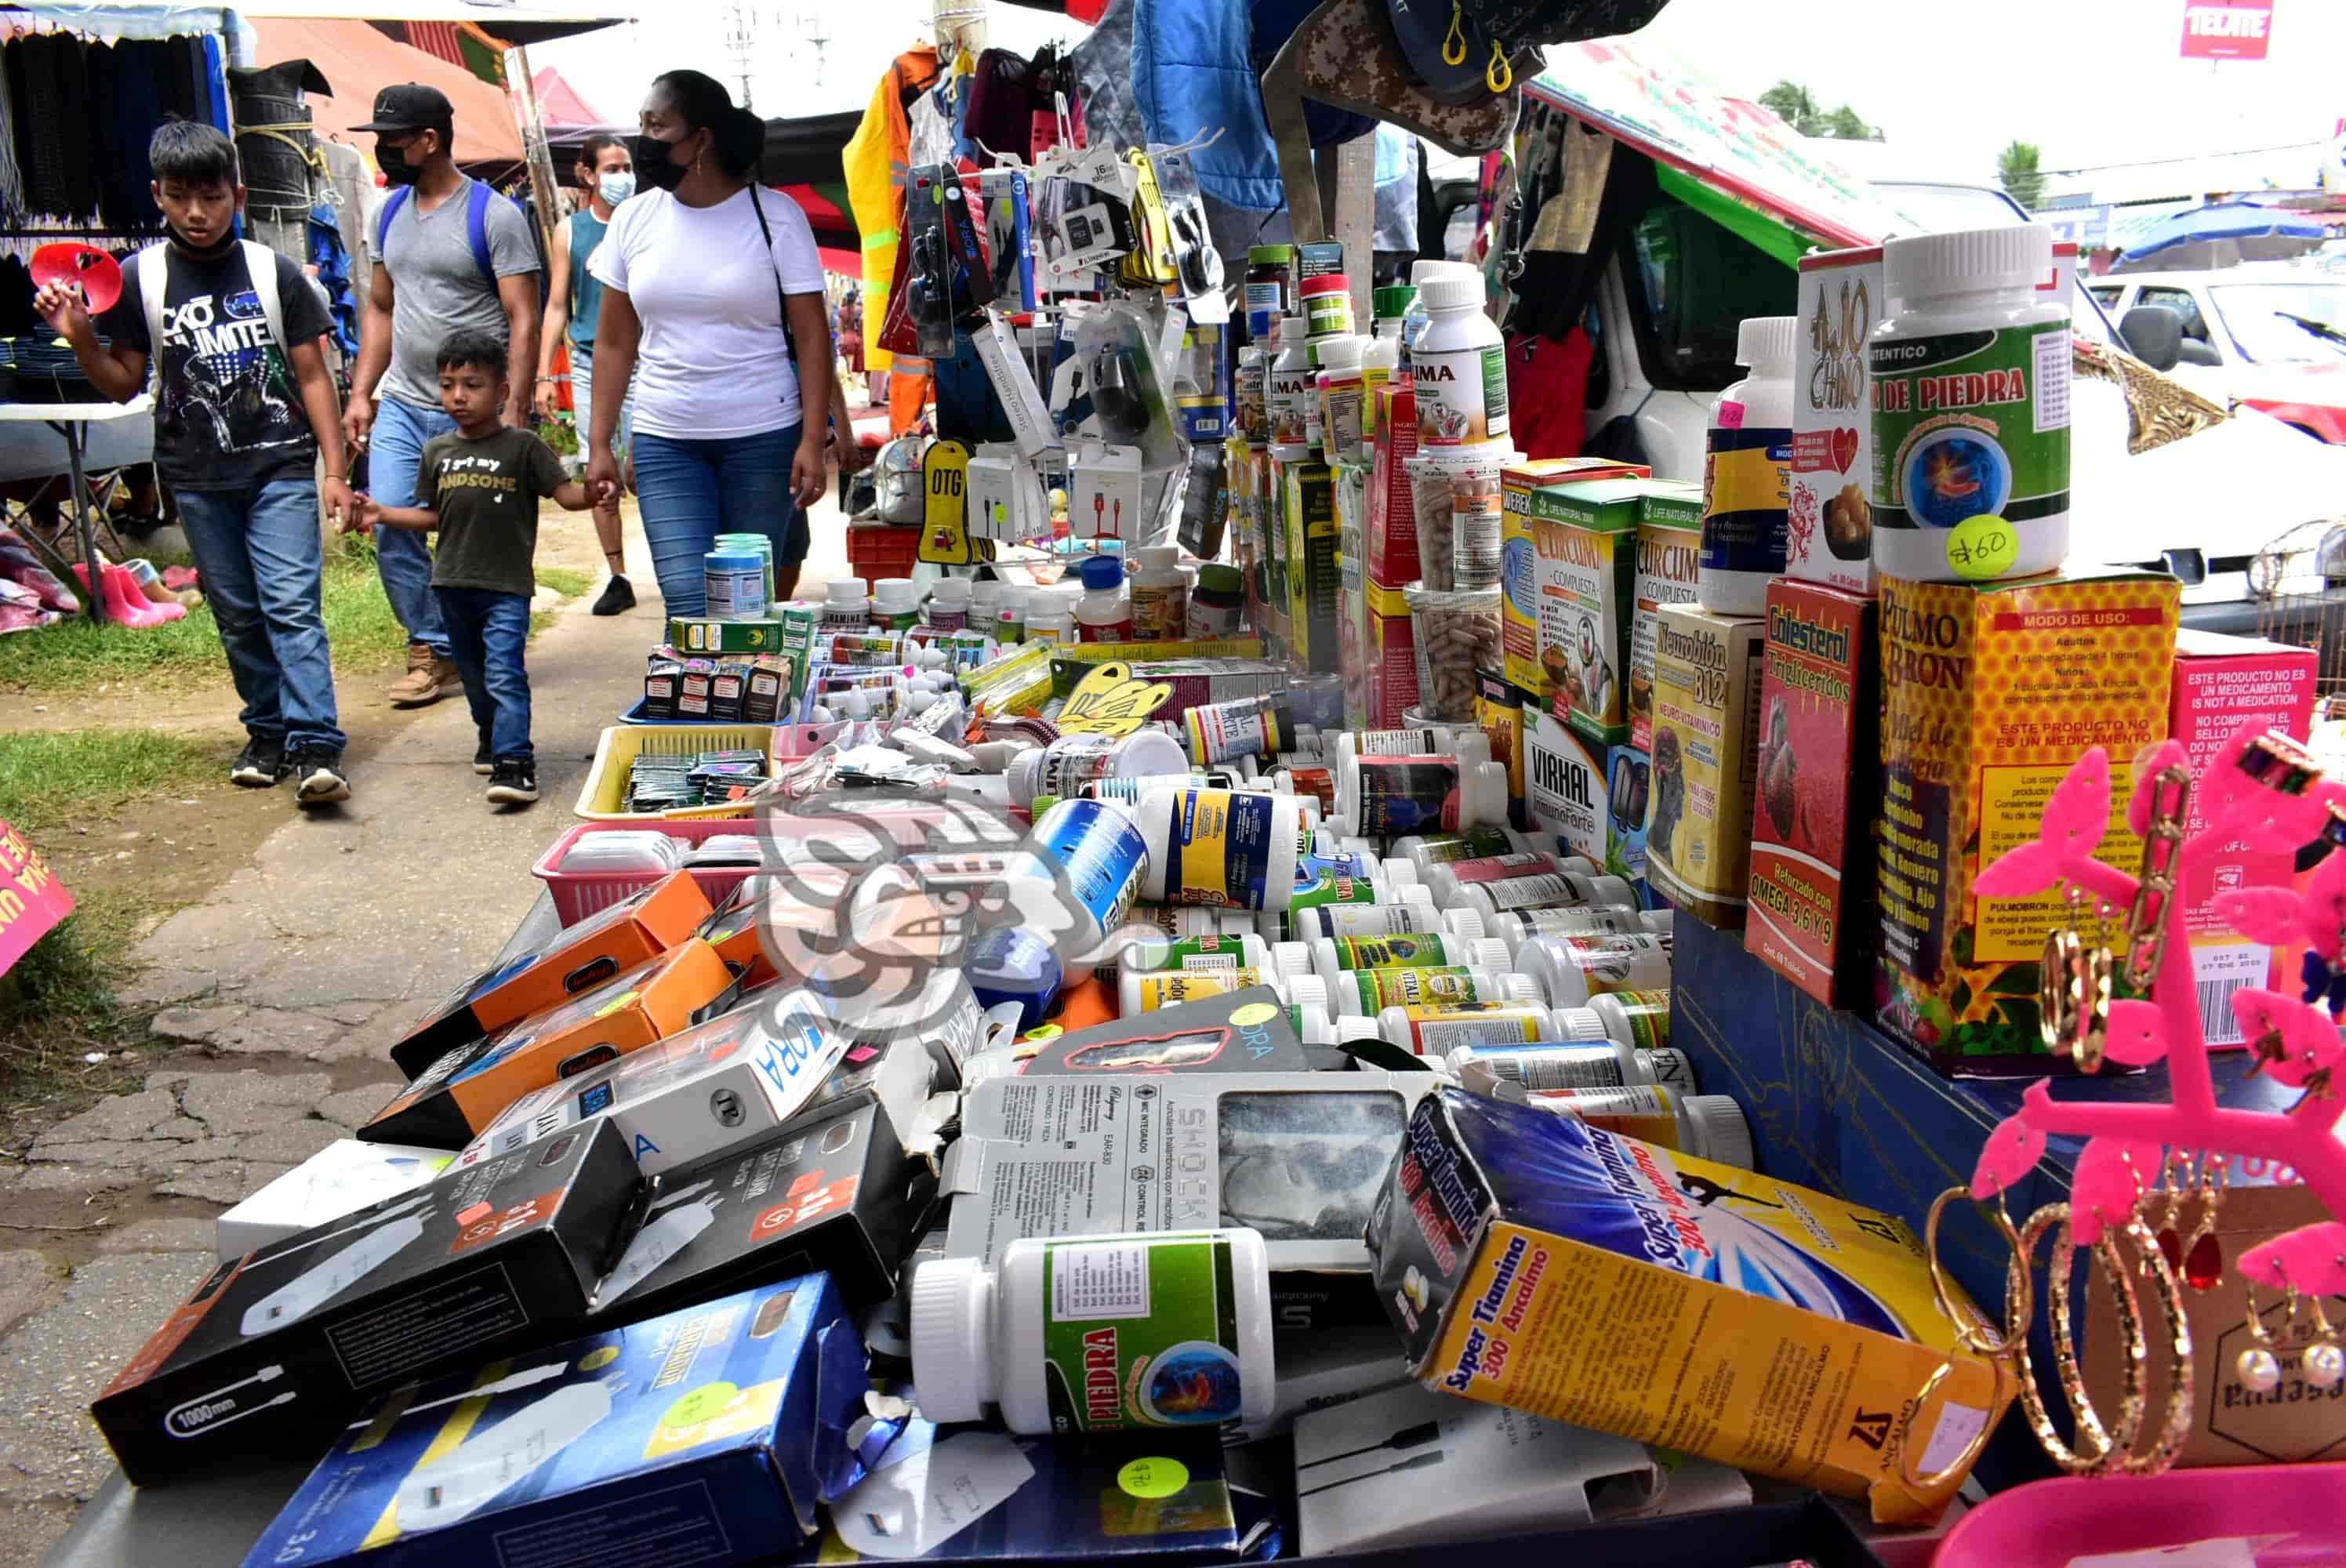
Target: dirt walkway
308,943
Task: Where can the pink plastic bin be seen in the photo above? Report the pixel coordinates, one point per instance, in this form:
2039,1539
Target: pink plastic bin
577,894
2047,1522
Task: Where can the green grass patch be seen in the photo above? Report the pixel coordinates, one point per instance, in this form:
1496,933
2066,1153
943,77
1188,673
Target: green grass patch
564,581
58,1008
75,655
47,779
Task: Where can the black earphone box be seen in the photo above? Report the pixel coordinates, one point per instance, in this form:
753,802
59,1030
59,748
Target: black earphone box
269,1355
842,1198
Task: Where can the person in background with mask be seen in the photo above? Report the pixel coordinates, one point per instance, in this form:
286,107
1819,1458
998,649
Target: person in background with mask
243,407
713,300
452,255
574,297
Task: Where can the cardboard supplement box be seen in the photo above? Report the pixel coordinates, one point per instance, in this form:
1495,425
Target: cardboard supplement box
1705,760
1546,586
1389,661
1669,559
1310,523
1565,784
1529,1260
266,1356
1990,692
1499,715
1392,559
1829,536
1586,538
1298,1156
840,1196
584,956
456,1099
2220,684
1812,917
765,1066
708,1435
341,1178
1629,805
699,635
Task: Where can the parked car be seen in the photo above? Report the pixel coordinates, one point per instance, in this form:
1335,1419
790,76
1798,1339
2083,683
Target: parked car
2273,338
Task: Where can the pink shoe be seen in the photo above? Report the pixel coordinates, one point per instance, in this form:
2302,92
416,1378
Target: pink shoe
125,600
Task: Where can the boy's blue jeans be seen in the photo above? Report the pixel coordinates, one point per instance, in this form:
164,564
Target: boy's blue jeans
261,566
487,632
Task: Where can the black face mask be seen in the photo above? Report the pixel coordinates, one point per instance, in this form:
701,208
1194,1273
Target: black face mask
653,166
206,252
393,161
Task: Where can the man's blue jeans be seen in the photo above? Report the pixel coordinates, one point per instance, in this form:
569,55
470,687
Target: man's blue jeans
262,566
393,455
487,634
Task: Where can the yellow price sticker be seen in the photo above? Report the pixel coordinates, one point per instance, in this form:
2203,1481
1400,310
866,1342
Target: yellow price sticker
1252,1013
1983,547
1152,1478
704,1403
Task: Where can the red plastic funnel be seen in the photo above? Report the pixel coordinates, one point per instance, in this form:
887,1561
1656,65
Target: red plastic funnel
71,261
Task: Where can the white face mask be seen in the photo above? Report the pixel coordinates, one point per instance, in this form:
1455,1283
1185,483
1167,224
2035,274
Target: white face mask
617,188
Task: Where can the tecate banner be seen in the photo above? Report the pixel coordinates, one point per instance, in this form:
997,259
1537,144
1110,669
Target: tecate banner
2227,29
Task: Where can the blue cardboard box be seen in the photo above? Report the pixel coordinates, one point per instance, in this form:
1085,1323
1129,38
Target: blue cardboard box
705,1436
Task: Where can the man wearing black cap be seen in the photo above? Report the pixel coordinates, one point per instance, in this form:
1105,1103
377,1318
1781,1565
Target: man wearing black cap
450,254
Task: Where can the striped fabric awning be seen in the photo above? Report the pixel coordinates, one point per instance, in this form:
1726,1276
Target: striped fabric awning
458,43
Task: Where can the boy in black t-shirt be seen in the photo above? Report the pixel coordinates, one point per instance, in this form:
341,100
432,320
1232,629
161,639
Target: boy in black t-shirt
480,486
243,407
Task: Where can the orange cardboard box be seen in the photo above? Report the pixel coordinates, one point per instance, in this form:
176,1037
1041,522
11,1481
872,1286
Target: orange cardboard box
460,1093
584,955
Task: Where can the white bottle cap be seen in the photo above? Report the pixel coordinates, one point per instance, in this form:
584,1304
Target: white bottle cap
1766,342
1516,988
1723,1134
1291,958
1292,332
1575,1024
1155,556
953,1338
1398,873
1452,292
1489,952
1970,261
844,590
1338,351
1418,896
1463,924
1306,990
1311,1025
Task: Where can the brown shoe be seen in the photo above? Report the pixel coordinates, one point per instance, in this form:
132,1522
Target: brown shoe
428,679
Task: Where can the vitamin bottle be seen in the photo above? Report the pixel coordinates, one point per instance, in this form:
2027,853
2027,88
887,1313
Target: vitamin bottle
1747,473
1104,856
1243,726
1160,1330
984,605
1573,969
1464,740
1161,595
1426,851
1251,392
1181,921
1139,992
1327,305
1520,926
1340,391
1387,795
1367,993
1448,879
1269,289
1707,1126
1459,366
949,606
1547,889
1223,847
1216,604
1104,614
1321,883
1151,955
1411,909
1580,1061
1638,1018
1333,957
1291,388
1066,764
1437,1031
1381,360
1010,618
895,603
846,606
1971,408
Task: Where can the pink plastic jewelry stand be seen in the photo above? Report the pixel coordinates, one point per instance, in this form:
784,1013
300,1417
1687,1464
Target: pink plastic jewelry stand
2051,1521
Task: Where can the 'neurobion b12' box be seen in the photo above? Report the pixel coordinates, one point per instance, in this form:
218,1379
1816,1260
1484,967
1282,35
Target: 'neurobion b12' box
1530,1260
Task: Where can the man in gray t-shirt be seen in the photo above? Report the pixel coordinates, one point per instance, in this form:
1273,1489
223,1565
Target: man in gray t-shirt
450,255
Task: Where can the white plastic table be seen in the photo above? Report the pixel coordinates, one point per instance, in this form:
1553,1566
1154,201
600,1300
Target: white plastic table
72,421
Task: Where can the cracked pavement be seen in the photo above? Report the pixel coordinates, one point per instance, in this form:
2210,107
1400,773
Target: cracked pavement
282,993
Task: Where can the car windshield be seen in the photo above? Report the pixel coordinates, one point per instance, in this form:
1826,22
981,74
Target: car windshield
1945,208
2267,320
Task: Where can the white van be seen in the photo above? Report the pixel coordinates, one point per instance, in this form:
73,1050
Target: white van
2272,337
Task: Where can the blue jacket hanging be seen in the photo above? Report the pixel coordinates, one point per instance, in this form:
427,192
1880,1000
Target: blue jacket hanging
1192,74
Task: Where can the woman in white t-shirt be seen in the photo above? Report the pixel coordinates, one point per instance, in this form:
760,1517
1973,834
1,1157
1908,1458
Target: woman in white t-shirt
713,300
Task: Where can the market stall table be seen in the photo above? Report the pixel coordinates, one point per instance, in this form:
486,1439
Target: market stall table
78,424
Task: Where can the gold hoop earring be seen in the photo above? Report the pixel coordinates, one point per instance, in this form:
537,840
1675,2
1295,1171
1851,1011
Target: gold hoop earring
2175,1430
2097,1446
2073,992
1971,1336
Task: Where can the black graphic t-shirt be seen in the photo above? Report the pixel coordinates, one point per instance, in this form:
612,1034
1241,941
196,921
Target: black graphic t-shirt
228,416
486,493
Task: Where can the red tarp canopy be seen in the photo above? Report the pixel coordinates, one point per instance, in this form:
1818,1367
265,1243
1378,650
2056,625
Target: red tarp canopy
558,102
361,62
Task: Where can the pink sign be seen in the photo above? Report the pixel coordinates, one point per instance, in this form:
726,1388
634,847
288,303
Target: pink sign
31,899
2227,29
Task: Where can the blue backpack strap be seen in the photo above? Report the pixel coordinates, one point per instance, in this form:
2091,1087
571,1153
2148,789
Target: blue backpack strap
390,210
476,228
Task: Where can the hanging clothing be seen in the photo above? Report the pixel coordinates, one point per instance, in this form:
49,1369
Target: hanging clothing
873,164
334,274
1191,76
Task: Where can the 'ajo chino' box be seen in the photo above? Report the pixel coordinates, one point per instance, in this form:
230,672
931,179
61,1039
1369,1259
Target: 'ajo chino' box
1530,1260
1991,692
1811,917
705,1436
1829,532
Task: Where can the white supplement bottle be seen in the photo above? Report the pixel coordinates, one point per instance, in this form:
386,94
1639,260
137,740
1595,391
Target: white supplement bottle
1426,851
1516,927
1707,1126
1332,957
1367,993
1293,389
1583,1062
1459,366
1104,614
1010,614
1321,883
895,603
1181,921
1573,969
1161,595
1447,879
1235,849
1411,909
1104,857
1071,761
1385,796
1154,956
1547,889
1464,740
1438,1031
1051,615
1137,993
950,604
845,606
1183,1355
1971,408
984,605
1638,1018
1747,481
1337,391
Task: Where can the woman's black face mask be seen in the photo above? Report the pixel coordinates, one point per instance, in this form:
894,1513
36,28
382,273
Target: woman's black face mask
653,166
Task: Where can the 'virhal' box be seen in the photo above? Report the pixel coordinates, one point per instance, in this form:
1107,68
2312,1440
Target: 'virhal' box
1530,1260
1811,917
708,1435
265,1354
